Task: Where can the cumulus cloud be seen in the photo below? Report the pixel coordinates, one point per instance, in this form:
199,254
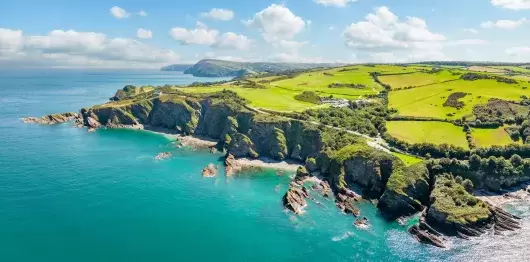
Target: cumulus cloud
383,32
277,22
335,3
142,13
231,40
504,24
72,48
467,42
119,12
202,35
144,33
512,4
219,14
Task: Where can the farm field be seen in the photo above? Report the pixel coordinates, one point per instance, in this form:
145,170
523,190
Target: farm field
487,69
407,159
517,69
416,79
428,132
485,137
428,101
277,99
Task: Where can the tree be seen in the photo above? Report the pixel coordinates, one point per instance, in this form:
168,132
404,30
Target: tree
516,160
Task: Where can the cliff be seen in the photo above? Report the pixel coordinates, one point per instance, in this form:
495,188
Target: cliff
220,68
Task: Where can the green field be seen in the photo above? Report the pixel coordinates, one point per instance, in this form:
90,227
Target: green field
407,159
427,132
273,98
428,101
416,79
485,137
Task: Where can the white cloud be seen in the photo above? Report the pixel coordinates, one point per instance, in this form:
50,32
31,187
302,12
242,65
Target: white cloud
233,41
199,36
119,12
331,28
309,22
470,30
144,33
202,35
383,30
277,22
512,4
79,49
219,14
142,13
504,24
336,3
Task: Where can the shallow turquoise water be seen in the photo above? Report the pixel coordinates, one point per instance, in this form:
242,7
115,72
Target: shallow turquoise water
70,195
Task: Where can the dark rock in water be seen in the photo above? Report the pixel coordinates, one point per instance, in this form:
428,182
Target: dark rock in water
301,173
345,204
323,188
426,237
209,171
52,119
504,221
295,198
362,223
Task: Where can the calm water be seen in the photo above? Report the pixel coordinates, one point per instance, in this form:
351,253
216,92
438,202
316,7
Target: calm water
70,195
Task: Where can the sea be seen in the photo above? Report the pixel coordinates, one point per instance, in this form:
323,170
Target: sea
70,195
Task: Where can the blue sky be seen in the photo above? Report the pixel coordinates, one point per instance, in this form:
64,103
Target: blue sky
138,34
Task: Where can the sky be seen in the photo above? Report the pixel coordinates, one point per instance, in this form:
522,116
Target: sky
151,34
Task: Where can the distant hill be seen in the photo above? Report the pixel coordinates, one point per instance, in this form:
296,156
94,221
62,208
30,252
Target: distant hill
176,67
220,68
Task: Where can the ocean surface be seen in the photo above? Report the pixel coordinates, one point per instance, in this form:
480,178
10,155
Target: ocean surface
70,195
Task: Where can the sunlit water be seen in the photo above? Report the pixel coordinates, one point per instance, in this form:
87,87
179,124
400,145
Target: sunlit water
70,195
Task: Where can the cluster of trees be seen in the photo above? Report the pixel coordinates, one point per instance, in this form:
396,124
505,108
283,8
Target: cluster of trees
375,76
339,85
453,100
206,84
249,84
367,120
310,97
328,74
498,112
492,172
348,69
476,76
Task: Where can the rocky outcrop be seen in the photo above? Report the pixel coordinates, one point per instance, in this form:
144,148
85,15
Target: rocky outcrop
426,234
241,146
231,165
209,171
345,200
406,192
504,221
52,119
323,188
295,198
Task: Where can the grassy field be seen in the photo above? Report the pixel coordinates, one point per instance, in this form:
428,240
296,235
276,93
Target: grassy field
428,101
277,99
428,132
517,69
487,69
484,137
407,159
416,79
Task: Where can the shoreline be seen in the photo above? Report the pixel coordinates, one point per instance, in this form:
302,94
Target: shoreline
515,194
201,142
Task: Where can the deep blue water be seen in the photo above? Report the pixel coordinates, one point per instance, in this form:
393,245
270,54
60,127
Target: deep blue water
70,195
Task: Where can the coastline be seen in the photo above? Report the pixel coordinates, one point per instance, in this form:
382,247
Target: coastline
515,194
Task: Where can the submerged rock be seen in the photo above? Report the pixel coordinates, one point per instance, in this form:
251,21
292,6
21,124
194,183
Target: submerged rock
163,155
323,188
345,204
295,198
52,119
209,171
426,237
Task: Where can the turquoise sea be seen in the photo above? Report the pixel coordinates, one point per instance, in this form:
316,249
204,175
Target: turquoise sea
70,195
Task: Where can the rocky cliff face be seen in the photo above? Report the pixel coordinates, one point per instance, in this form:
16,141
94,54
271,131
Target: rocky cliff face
406,192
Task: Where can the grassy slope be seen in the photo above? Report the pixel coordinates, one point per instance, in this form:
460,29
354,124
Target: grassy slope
407,159
416,79
428,101
428,132
488,137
